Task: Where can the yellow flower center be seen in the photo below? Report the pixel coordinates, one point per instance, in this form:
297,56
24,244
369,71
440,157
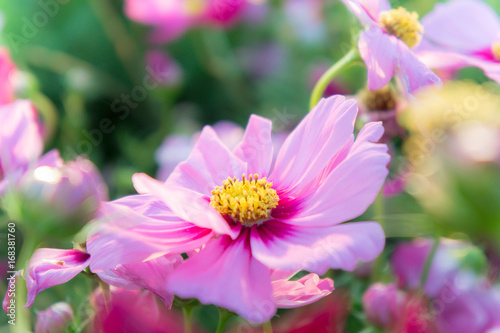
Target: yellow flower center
248,201
379,100
402,24
495,48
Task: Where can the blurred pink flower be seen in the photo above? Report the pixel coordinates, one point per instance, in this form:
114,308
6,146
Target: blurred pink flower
382,304
21,141
133,311
166,68
172,18
470,37
386,46
68,192
460,300
56,319
306,21
321,178
7,69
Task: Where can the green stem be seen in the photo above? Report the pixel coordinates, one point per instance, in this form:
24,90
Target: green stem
267,328
23,316
428,263
106,294
379,213
224,316
118,35
187,312
328,76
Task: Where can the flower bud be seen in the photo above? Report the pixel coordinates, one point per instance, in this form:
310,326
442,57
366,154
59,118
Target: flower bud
66,196
382,304
57,318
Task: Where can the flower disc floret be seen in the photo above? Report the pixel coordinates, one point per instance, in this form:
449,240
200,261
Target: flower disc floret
402,24
248,201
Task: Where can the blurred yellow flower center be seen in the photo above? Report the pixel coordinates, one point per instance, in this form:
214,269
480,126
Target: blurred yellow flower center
402,24
248,201
379,100
495,48
194,7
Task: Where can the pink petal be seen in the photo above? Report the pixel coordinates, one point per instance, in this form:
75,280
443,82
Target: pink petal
50,267
367,11
150,275
384,55
7,68
136,228
20,137
282,246
186,204
351,187
413,74
224,273
209,164
307,290
379,52
313,143
449,60
257,146
462,25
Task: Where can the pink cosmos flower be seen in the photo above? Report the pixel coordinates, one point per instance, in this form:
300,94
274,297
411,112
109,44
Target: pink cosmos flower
7,69
172,18
242,226
386,46
21,141
470,37
56,319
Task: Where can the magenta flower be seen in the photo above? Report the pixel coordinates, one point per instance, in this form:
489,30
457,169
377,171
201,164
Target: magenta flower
21,141
382,304
168,70
172,18
133,311
50,267
7,69
56,319
288,217
386,46
470,37
409,259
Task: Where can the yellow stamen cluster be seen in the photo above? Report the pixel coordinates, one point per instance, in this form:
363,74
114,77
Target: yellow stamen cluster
495,48
248,201
379,100
402,24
